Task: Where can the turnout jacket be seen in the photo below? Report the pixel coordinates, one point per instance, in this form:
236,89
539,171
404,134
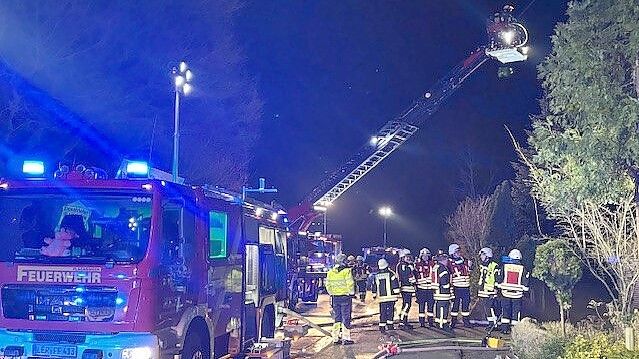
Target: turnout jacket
459,273
440,279
361,272
386,286
422,274
487,277
406,275
512,280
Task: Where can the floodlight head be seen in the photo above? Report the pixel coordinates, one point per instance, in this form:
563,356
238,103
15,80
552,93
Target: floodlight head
179,81
183,67
187,88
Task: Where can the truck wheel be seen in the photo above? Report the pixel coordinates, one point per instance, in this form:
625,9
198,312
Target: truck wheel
268,322
195,347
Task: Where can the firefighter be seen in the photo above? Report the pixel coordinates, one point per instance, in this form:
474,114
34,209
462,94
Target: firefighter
385,289
341,287
424,293
487,292
512,281
361,271
440,279
460,279
407,281
350,261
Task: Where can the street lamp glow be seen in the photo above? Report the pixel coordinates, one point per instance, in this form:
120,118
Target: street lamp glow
374,140
385,212
525,50
183,67
189,75
187,88
179,81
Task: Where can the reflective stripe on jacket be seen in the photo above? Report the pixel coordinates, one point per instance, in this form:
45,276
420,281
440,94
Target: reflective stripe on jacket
441,282
422,273
512,280
339,281
386,286
460,273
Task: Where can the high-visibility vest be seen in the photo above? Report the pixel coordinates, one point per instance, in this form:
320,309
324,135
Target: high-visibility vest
460,273
441,282
514,281
487,278
339,281
422,272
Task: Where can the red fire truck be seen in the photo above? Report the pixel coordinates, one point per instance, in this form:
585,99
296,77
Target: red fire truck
134,267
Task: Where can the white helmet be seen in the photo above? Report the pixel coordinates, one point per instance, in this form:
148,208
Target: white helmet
350,258
359,258
404,252
515,254
382,263
424,252
486,251
453,248
340,259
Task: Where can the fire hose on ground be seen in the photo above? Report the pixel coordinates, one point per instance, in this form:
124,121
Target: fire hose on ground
391,349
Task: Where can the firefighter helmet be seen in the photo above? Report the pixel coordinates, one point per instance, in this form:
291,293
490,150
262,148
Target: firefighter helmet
424,252
340,259
515,254
350,258
486,251
359,259
382,263
453,248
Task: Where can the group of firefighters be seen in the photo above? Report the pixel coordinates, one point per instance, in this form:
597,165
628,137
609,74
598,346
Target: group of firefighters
440,283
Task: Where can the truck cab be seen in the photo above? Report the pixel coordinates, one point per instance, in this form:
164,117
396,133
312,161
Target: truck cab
135,268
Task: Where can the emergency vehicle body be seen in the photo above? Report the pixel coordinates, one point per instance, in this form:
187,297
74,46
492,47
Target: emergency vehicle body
165,270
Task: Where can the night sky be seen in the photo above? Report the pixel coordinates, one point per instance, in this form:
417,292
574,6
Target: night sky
323,75
332,73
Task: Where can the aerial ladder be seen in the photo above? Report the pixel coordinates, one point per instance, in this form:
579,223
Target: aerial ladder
507,43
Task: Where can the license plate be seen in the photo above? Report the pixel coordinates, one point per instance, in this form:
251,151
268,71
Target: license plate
60,351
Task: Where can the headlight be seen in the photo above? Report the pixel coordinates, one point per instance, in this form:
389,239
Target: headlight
137,353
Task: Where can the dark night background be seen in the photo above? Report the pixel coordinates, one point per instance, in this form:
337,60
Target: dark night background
285,90
332,73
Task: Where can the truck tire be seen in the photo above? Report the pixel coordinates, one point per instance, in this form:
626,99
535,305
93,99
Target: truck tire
195,347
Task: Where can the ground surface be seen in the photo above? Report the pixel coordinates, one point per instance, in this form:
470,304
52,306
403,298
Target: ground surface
368,339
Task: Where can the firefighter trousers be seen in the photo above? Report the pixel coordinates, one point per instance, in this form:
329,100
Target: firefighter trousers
492,308
511,312
460,303
386,314
426,304
407,301
342,308
441,313
361,289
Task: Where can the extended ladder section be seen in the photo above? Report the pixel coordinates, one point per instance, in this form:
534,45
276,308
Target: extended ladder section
393,134
387,140
507,40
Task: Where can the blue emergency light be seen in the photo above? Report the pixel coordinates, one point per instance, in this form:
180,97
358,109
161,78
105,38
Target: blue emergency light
33,168
137,169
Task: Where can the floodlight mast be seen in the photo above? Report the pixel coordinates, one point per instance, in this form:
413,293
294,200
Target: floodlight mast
507,40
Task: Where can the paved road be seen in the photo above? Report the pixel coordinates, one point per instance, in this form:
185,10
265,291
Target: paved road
368,339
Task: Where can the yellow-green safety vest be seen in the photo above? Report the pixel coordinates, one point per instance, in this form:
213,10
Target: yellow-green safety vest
340,282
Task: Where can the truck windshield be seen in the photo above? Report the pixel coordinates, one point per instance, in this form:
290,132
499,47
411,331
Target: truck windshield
73,226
